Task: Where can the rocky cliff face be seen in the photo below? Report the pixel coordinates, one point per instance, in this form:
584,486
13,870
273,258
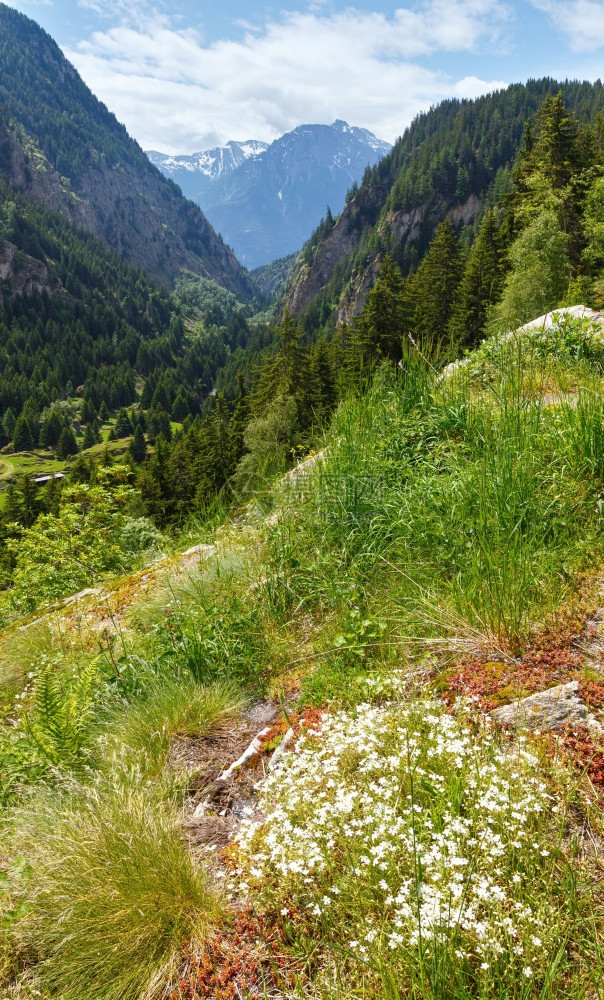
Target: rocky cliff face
25,168
395,229
134,214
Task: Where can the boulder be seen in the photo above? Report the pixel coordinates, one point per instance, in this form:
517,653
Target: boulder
546,710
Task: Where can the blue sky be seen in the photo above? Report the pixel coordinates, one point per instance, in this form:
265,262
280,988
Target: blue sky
186,75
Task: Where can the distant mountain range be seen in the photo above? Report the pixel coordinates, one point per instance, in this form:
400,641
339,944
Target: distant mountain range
195,173
265,200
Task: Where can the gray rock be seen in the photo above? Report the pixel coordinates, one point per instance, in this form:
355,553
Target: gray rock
546,710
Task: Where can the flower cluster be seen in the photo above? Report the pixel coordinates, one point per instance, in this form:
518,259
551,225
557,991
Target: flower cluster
406,829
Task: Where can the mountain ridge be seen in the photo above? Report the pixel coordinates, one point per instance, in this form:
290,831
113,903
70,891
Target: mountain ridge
451,162
125,200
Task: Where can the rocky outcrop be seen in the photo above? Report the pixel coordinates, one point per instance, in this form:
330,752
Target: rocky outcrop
308,280
26,169
21,274
547,710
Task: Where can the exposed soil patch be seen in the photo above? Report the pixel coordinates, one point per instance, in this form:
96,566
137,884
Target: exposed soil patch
215,806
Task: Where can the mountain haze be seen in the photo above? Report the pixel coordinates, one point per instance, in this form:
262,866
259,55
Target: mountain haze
91,169
265,202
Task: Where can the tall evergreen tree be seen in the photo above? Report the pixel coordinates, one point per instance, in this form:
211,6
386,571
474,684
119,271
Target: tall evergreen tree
90,438
123,425
385,318
8,423
435,285
138,447
22,435
240,418
67,444
50,429
281,375
480,286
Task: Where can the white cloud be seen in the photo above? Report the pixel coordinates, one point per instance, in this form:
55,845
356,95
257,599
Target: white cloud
176,93
581,21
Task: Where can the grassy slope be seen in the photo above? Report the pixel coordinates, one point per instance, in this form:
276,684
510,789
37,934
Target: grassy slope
448,542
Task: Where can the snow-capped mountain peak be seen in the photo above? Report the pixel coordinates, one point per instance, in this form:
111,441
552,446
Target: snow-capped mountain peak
265,200
210,163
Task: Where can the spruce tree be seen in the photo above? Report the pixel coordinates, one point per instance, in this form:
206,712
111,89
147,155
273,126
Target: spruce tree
30,505
480,286
380,328
240,418
123,426
88,412
90,438
323,381
220,459
67,444
8,423
138,447
51,427
180,409
158,423
281,375
22,436
435,285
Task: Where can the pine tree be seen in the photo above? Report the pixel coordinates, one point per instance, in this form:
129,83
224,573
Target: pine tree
123,426
323,381
103,413
220,459
51,427
381,326
88,412
90,438
13,508
435,285
30,505
155,483
556,153
158,423
281,375
8,423
240,417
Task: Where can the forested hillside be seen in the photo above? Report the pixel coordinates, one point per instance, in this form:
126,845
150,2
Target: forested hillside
451,163
99,176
